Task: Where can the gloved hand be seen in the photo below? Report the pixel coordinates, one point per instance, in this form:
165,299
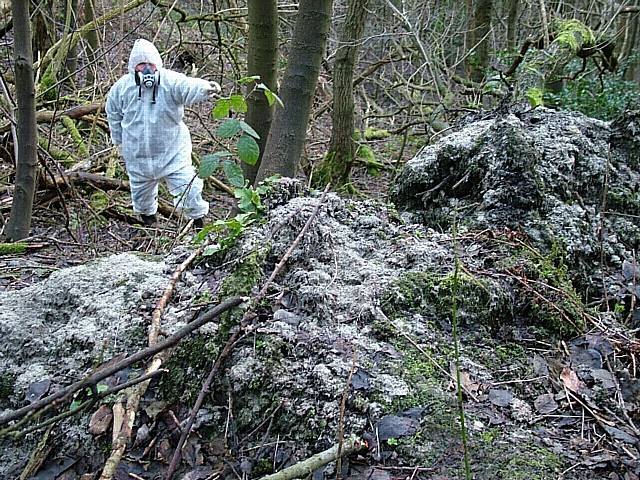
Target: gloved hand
214,87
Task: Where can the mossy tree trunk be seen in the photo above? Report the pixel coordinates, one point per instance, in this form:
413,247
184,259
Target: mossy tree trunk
289,130
543,68
337,164
262,56
21,209
479,33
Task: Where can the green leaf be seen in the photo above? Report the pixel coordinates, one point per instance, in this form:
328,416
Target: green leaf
222,108
247,129
233,172
238,103
249,79
229,128
245,196
271,97
248,149
210,164
212,250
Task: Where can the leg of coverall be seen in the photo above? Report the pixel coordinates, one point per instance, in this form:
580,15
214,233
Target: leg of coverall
144,195
186,189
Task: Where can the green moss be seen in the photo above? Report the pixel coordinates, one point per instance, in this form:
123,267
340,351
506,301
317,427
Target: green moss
193,357
430,295
7,382
624,201
99,200
501,457
376,133
335,172
12,248
554,302
573,34
411,292
262,467
535,97
70,125
240,281
58,154
47,81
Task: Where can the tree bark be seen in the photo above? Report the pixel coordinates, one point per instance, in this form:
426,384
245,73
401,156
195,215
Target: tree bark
71,63
632,69
336,167
289,130
92,40
480,27
43,30
262,56
512,24
21,209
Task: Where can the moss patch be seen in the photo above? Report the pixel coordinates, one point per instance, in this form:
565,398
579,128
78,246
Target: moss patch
240,281
7,382
495,456
12,248
186,366
430,295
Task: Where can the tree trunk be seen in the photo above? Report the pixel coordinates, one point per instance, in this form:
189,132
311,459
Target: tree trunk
512,24
262,55
71,62
289,130
544,67
92,40
630,55
26,163
480,27
43,30
336,167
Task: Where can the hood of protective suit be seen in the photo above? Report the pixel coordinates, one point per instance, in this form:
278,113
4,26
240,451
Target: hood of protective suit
144,51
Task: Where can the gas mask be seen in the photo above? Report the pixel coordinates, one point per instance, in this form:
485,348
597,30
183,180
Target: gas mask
147,75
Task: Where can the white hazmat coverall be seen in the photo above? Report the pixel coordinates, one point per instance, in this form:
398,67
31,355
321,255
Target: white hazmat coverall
155,142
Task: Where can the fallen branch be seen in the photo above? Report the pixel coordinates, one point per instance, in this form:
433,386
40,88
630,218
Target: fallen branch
93,379
235,336
311,464
48,116
105,183
122,438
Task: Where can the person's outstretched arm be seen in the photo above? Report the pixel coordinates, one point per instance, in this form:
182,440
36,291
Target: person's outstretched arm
189,91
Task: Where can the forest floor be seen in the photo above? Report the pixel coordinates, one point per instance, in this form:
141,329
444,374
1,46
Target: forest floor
529,411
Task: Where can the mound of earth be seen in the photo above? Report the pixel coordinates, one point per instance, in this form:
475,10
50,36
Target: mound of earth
562,179
363,330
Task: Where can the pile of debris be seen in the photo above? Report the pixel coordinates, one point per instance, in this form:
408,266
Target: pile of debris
356,335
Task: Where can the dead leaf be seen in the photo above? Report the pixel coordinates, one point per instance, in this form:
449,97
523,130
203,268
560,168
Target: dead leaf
500,398
571,380
100,420
545,404
37,390
620,435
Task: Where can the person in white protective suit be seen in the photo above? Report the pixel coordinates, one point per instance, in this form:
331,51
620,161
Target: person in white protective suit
145,109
